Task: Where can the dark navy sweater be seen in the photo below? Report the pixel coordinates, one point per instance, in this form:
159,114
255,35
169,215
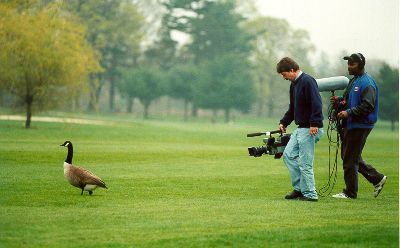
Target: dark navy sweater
305,106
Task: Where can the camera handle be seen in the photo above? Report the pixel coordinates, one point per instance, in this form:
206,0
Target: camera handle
263,133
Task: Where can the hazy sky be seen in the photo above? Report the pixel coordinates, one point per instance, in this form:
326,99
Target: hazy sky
370,27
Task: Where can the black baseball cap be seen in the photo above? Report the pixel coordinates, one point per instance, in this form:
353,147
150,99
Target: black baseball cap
356,57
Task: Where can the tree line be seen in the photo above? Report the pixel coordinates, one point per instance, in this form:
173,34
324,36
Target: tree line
64,52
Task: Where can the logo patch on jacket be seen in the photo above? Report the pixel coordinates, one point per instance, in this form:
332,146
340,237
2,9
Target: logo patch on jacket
356,88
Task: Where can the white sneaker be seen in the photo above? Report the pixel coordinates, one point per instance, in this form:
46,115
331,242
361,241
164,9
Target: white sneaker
379,186
341,196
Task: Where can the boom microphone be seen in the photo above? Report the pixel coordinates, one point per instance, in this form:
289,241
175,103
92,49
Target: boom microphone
332,83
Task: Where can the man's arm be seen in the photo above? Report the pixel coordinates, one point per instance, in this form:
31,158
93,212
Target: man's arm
367,104
312,93
289,115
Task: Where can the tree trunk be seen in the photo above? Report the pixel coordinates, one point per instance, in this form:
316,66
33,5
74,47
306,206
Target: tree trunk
214,116
270,100
28,101
392,124
168,110
95,90
112,95
129,104
195,110
270,107
97,99
260,106
185,113
260,103
92,102
146,110
227,115
75,102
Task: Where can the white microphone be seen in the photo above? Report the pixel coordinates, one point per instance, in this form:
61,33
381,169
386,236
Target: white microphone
332,83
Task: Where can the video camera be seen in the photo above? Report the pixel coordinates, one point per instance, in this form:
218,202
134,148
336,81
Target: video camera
273,146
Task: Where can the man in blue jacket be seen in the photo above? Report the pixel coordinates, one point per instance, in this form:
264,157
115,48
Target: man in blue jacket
305,108
360,105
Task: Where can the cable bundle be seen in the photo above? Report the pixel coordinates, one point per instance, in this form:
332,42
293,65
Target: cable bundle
334,126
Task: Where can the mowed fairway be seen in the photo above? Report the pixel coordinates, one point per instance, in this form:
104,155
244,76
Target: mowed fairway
175,184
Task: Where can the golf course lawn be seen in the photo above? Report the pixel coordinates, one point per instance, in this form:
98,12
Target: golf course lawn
176,184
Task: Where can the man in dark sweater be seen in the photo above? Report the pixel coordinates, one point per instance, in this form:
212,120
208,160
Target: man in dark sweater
305,108
360,104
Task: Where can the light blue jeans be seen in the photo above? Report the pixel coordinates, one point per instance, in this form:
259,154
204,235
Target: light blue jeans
299,157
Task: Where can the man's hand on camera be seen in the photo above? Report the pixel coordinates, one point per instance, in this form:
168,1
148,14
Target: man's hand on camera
342,115
282,128
334,99
313,131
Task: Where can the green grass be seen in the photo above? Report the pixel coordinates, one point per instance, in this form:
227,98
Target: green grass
174,184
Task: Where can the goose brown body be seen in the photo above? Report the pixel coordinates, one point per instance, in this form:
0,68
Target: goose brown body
78,176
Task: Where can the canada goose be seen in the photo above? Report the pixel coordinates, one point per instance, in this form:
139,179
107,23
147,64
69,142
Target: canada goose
78,176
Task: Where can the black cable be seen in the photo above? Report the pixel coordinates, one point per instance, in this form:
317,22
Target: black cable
334,126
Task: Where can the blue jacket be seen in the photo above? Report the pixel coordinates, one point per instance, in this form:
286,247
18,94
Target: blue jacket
362,99
305,106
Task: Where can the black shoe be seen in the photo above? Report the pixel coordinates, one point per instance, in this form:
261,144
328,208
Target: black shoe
294,195
303,198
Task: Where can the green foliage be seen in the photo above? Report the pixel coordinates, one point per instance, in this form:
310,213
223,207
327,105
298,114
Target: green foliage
163,52
115,32
215,31
182,80
182,185
211,71
44,56
225,83
221,49
145,83
274,39
388,84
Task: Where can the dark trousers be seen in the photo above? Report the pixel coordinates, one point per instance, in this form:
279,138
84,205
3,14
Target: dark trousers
353,142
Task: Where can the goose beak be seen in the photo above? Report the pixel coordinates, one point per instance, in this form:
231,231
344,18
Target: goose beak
61,145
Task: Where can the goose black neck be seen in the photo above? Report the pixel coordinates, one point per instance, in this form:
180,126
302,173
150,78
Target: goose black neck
70,154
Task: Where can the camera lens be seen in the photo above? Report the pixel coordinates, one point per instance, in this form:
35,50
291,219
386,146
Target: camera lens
257,151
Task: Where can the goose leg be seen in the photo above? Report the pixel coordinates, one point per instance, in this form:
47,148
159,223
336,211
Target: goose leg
90,192
82,192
